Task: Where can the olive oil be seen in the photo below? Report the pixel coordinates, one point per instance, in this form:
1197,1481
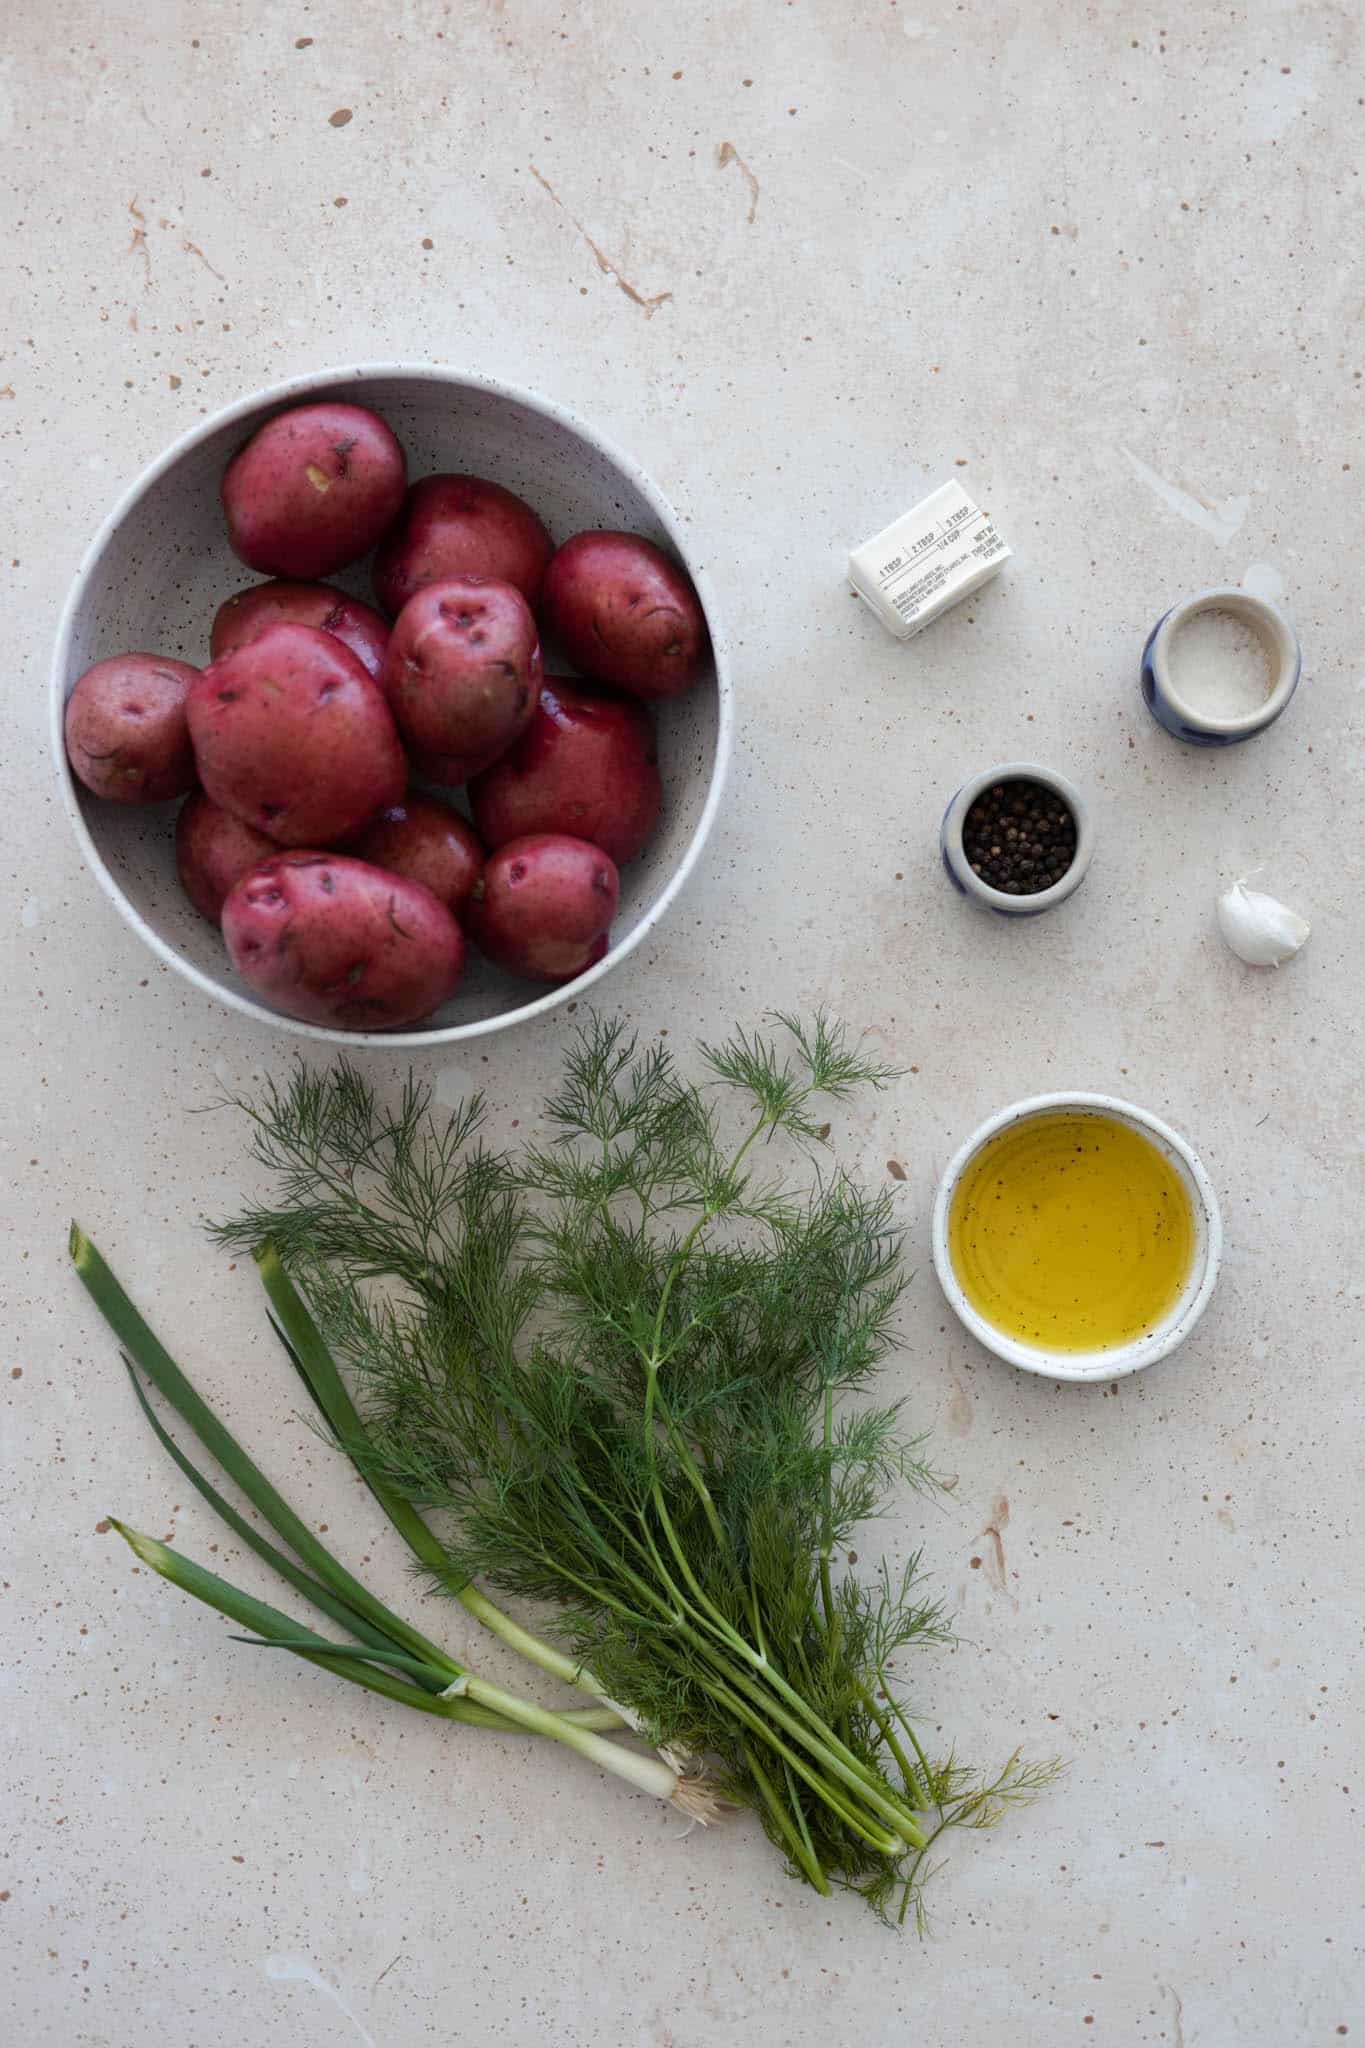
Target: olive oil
1070,1230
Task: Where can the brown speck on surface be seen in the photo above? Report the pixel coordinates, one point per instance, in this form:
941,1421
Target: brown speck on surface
648,305
138,245
341,200
340,117
193,249
677,74
895,1169
975,1563
103,1528
175,382
303,42
16,1372
427,242
726,154
239,1859
999,1521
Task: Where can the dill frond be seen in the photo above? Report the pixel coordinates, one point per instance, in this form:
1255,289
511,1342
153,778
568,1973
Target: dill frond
625,1370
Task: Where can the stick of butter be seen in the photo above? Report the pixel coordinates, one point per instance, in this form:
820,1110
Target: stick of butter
927,561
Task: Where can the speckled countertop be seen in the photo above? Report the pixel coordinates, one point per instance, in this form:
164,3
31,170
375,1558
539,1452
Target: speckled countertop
804,260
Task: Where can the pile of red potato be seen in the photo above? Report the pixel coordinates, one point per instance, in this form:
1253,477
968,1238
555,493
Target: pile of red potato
344,897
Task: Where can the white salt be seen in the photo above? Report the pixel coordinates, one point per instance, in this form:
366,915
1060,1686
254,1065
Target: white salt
1220,665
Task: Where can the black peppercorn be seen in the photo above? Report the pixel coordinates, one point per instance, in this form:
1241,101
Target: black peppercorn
1019,837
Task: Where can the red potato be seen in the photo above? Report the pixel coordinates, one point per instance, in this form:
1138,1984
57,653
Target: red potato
213,850
335,941
542,906
587,764
356,625
462,674
291,735
427,842
461,526
126,734
624,612
313,489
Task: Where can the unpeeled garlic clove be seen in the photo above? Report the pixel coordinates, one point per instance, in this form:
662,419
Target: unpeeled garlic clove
1260,930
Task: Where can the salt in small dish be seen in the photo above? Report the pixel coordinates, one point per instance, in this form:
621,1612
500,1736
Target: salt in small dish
1219,667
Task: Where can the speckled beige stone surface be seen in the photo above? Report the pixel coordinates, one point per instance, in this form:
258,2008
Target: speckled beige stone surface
805,261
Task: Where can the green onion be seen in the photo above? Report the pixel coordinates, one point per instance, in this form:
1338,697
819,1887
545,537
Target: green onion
442,1686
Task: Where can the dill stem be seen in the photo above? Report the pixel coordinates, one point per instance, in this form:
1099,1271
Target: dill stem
815,1733
827,1522
799,1811
796,1835
832,1629
907,1770
872,1831
707,1607
914,1869
691,1471
676,1263
925,1766
826,1747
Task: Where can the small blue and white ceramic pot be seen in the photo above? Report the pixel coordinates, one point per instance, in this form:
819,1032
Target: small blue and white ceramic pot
959,868
1199,726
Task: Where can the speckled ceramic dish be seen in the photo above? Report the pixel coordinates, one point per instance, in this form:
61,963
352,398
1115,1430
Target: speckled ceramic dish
1114,1360
160,566
959,868
1190,722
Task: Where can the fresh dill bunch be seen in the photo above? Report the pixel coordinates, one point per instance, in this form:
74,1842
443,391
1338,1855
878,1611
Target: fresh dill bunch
625,1368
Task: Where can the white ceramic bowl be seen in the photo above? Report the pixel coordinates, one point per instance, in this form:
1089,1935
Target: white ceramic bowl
1117,1359
160,566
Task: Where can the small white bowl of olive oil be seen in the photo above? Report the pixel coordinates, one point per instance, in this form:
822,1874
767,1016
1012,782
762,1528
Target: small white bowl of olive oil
1076,1236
